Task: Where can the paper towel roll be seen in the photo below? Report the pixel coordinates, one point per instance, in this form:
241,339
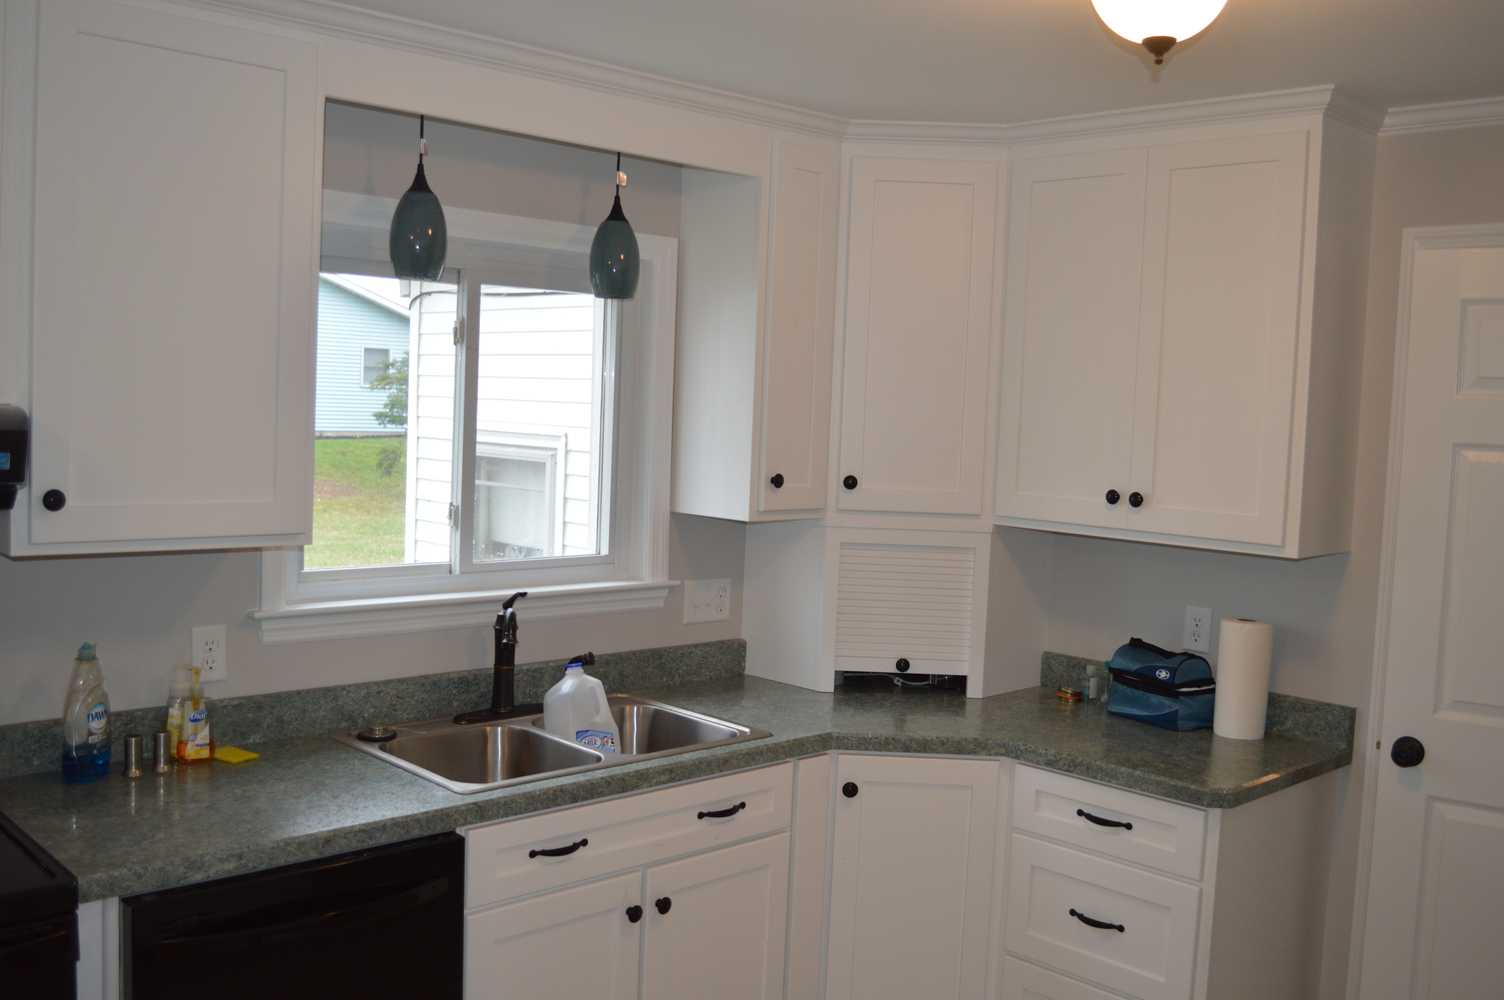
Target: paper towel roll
1244,654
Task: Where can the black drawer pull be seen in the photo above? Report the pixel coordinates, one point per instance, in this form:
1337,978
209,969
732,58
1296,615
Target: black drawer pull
721,813
634,913
557,852
663,905
1100,925
1120,824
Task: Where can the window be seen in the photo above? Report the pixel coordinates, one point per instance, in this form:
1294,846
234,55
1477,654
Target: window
373,365
524,434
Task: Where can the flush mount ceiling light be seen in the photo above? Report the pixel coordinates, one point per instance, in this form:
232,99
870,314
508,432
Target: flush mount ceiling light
614,259
1158,25
419,239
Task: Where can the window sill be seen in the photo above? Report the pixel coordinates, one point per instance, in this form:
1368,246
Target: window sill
396,615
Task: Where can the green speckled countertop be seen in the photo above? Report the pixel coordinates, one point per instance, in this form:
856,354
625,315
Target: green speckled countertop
314,797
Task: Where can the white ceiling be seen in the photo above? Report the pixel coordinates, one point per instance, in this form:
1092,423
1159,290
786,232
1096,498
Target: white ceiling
1004,61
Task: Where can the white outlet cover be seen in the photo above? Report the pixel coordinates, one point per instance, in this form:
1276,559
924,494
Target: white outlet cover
706,601
1198,630
210,653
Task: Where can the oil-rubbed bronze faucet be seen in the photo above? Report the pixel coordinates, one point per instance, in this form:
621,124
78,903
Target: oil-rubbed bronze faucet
504,672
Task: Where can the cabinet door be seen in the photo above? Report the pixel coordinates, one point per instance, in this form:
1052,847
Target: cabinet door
175,226
918,335
912,878
716,924
1071,337
800,329
1221,321
576,942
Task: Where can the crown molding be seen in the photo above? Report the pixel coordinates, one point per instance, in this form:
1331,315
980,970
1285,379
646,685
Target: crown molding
345,21
1325,100
1478,113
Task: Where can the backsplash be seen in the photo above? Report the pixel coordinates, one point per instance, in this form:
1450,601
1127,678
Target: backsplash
30,747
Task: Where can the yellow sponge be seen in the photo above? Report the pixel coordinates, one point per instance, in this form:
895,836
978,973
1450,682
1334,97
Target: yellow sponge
234,755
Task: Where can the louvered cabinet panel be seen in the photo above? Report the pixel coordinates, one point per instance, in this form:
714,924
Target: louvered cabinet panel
912,605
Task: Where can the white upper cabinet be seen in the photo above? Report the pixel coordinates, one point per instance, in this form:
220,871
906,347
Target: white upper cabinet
752,365
918,335
1074,222
1182,328
173,240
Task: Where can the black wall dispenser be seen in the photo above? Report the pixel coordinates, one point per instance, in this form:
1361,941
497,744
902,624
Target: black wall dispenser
15,432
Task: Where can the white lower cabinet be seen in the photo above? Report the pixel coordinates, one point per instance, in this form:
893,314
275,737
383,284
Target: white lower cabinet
577,942
912,877
716,924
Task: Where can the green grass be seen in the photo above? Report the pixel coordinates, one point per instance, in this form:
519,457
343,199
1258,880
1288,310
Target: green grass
357,511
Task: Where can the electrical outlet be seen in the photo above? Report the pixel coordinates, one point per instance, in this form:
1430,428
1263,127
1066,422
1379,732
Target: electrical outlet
1198,630
209,652
706,601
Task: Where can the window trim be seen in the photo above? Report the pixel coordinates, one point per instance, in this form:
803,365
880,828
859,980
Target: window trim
364,384
549,450
363,602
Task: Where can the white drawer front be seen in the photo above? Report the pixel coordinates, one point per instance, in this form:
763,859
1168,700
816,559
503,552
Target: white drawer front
1152,957
1157,834
620,834
1022,981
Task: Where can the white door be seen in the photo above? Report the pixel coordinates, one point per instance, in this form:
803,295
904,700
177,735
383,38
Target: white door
579,942
1071,337
800,330
918,335
1436,889
716,924
912,878
176,231
1220,320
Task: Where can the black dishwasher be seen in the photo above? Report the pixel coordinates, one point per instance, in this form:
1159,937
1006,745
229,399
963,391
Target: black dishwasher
385,922
38,920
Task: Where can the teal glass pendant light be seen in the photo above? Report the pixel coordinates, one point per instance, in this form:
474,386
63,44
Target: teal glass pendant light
614,260
419,239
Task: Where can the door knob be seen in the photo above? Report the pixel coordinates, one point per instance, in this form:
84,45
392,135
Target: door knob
1135,499
849,789
634,913
1407,751
54,500
1113,496
849,482
777,480
663,904
902,666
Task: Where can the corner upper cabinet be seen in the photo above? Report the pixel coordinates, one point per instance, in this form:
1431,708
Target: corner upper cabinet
1182,338
918,335
753,356
172,235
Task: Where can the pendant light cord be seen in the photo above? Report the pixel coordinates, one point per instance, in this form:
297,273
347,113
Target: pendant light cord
422,140
617,178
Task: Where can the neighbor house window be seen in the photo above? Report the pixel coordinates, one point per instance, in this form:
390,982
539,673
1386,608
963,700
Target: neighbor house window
373,365
519,432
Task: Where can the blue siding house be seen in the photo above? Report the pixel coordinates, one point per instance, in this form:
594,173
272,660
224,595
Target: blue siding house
359,331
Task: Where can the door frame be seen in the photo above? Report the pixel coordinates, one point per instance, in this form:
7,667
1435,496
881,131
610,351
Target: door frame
1412,239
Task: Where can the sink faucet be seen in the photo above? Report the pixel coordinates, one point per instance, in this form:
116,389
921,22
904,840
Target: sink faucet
503,676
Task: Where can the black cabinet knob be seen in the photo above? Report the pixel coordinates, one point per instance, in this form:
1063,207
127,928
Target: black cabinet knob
849,789
849,482
1135,499
902,666
1113,496
664,904
634,913
54,500
1407,751
777,480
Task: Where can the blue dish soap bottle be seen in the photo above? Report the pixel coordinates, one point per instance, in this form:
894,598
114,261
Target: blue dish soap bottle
86,721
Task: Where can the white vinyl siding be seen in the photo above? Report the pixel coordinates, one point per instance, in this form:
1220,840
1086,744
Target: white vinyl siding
430,428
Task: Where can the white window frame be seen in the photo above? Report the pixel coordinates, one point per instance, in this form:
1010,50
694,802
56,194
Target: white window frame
549,450
633,573
364,382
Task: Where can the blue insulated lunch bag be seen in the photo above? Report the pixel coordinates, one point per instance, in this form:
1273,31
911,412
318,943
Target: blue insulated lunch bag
1169,690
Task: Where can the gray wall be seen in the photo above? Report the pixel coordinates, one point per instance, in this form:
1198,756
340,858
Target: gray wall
368,151
140,608
1100,592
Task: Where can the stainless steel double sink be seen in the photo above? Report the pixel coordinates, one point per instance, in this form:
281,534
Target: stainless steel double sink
477,758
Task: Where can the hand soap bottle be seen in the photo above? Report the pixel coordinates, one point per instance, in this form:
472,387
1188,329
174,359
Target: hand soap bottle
195,739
